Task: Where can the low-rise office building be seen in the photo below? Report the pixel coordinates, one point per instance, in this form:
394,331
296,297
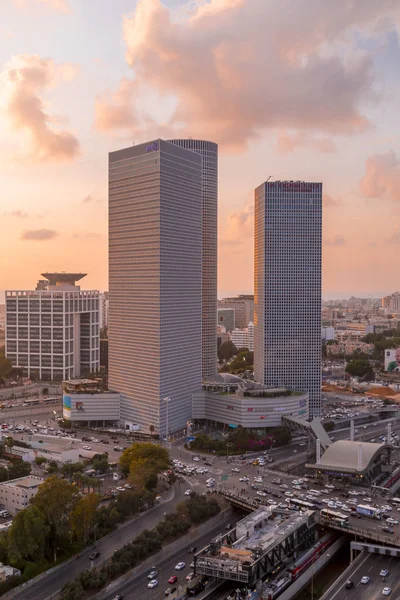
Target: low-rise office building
15,495
86,400
234,402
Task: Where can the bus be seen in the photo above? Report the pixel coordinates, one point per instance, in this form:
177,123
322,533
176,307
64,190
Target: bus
395,501
50,400
32,402
334,517
302,504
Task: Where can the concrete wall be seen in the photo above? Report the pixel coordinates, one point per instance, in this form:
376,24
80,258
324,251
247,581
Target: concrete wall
24,391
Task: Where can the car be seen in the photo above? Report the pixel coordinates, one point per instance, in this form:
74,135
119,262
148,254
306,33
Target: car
94,555
87,447
192,565
289,494
181,565
188,493
388,529
196,458
391,521
120,488
294,451
173,579
244,479
258,479
153,583
152,575
364,579
260,493
190,576
383,572
386,591
235,470
169,591
349,584
346,509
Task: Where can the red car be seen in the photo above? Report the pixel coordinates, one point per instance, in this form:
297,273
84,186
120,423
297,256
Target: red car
173,579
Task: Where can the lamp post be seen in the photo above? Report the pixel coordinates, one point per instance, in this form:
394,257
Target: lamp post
167,400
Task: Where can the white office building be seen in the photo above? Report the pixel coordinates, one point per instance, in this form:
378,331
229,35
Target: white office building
209,248
287,280
244,338
155,283
52,333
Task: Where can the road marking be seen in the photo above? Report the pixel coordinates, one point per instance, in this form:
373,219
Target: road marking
370,569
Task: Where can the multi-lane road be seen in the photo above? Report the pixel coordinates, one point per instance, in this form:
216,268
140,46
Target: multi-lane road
369,566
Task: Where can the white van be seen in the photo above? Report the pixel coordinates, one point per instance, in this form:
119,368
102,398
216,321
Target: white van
4,513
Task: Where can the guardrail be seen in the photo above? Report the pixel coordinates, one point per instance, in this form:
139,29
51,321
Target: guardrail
362,533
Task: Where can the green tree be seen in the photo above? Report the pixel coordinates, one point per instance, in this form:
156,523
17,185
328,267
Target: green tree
101,464
19,468
56,499
226,351
5,366
28,535
40,460
83,516
156,456
360,368
9,442
72,591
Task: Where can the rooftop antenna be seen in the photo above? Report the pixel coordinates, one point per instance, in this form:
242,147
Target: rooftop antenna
269,177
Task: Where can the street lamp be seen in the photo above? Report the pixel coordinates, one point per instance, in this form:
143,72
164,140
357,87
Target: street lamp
167,400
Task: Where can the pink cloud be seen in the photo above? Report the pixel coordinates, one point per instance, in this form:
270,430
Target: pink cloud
329,201
382,176
237,68
240,226
23,82
289,143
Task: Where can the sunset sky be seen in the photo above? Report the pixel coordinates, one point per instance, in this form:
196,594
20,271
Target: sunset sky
295,89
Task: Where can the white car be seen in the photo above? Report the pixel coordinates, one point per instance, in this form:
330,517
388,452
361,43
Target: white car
235,470
263,494
332,505
289,494
153,583
245,479
391,521
180,566
87,447
346,509
386,591
258,479
188,493
364,579
196,459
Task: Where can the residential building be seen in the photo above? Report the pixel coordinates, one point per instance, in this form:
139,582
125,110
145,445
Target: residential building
244,338
209,247
243,306
15,495
392,302
287,282
226,318
155,283
54,333
103,310
327,334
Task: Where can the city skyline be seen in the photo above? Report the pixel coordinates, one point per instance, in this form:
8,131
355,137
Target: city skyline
64,106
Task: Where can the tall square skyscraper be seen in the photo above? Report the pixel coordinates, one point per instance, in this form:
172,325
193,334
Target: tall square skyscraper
287,285
155,249
209,251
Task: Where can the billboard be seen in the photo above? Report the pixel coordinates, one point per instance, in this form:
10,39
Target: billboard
392,359
67,407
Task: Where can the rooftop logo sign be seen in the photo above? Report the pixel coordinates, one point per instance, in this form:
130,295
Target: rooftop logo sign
153,147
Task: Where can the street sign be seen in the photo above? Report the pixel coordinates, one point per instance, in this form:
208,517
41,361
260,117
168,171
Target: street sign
191,439
224,477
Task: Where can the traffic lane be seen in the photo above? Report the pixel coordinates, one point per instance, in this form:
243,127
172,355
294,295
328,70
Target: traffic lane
138,585
369,566
54,581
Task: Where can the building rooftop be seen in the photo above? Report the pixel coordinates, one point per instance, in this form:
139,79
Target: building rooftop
63,278
24,482
345,454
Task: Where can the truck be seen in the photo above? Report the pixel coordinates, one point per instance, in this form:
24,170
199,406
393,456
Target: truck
368,511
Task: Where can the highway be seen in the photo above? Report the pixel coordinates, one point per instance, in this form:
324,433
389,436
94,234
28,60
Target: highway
68,571
370,566
137,586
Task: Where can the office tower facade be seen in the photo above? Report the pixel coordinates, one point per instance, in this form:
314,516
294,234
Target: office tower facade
53,332
155,224
287,285
209,153
243,306
104,304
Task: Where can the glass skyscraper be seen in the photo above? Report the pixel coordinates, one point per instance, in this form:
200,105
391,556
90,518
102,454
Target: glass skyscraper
287,285
155,266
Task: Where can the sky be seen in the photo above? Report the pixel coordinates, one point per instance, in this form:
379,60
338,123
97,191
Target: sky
305,90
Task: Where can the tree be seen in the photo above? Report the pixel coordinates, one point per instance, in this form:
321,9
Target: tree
360,368
72,591
83,516
156,455
9,442
56,499
101,464
19,468
226,351
5,367
27,536
39,460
